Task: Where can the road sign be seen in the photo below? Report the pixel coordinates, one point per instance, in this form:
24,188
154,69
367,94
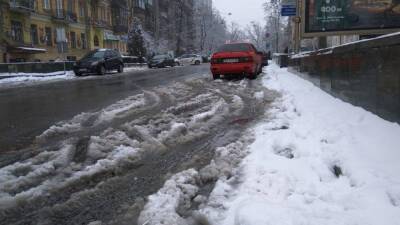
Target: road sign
288,11
289,2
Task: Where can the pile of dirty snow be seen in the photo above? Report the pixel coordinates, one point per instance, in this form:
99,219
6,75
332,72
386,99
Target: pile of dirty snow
318,160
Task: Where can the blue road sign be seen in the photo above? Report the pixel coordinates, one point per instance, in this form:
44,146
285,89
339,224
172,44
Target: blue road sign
288,10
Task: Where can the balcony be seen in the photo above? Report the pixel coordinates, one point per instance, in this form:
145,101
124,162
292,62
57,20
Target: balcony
120,28
58,15
100,23
22,6
71,17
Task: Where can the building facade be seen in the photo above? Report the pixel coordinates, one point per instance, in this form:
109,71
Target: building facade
47,30
50,30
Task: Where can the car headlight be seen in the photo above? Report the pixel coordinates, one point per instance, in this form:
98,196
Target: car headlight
95,63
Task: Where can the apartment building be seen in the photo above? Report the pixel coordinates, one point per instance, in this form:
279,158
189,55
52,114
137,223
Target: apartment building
50,30
47,30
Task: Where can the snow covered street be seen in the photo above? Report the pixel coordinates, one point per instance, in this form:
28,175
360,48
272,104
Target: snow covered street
273,151
317,160
101,165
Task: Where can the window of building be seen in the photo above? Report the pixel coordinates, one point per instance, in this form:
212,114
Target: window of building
34,34
71,6
16,31
46,4
96,41
73,39
48,37
61,37
81,9
141,4
59,8
83,40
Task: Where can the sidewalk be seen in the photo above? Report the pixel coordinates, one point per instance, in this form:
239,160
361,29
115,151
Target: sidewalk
318,161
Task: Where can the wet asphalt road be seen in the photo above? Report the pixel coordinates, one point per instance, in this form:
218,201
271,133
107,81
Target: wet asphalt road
25,112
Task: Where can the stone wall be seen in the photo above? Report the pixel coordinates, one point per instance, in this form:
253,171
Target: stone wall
365,73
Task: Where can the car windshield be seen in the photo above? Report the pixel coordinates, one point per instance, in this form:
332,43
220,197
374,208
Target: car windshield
95,55
185,56
234,48
157,57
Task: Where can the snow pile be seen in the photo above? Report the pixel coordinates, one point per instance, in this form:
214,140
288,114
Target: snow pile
7,78
317,161
163,207
172,204
118,109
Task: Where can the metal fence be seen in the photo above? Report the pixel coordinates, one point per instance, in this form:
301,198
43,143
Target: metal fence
35,67
365,74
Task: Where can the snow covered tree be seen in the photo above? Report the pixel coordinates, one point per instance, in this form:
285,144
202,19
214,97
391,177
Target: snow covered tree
136,43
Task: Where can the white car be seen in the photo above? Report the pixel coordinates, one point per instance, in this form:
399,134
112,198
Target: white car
189,59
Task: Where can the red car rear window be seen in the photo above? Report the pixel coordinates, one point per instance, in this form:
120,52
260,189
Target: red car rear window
235,48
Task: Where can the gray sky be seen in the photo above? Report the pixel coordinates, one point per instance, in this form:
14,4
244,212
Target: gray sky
243,11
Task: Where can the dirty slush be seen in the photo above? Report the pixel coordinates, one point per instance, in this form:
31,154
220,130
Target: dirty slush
102,166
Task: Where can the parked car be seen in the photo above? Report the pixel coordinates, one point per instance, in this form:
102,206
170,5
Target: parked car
134,61
237,58
99,61
190,59
161,61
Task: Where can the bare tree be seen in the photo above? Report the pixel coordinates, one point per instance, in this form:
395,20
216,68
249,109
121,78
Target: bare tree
276,26
256,33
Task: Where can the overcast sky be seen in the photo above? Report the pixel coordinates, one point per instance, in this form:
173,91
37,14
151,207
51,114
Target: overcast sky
243,11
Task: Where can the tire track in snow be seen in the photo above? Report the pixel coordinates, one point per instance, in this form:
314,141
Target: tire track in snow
111,162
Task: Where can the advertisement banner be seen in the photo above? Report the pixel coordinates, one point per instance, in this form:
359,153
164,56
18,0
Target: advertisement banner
351,15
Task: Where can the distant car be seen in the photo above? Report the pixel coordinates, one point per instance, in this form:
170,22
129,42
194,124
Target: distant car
237,58
190,59
161,61
264,59
99,61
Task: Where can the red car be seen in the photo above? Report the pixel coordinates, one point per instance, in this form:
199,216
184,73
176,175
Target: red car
237,58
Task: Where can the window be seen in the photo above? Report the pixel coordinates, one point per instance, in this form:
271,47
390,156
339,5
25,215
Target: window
61,37
141,4
34,34
59,8
16,31
48,36
46,4
83,39
71,6
81,9
235,48
96,41
73,39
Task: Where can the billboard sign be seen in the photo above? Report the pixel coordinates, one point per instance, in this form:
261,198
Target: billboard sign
325,17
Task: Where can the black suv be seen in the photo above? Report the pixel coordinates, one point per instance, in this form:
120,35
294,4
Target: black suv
99,61
161,61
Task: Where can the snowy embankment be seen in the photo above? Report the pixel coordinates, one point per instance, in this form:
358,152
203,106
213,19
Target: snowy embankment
318,160
15,78
315,160
34,77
